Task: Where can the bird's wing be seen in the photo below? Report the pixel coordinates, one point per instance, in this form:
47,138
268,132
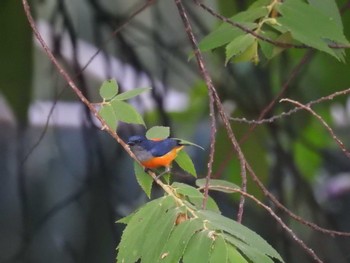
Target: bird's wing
161,148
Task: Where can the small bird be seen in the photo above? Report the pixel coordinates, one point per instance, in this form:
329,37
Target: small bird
155,153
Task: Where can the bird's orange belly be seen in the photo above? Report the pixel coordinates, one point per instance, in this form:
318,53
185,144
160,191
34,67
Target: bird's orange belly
162,161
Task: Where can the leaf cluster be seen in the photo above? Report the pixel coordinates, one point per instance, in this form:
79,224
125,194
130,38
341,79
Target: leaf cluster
271,26
174,229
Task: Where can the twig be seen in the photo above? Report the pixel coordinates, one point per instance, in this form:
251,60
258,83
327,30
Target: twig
213,93
208,81
329,129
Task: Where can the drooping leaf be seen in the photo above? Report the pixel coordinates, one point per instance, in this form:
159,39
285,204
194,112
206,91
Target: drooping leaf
109,89
107,113
249,55
144,179
239,232
234,256
198,247
159,233
239,45
226,33
131,93
329,8
310,26
126,113
174,248
158,132
185,162
219,250
130,246
255,255
218,185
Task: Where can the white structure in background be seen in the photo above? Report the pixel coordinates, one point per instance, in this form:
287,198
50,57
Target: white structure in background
70,113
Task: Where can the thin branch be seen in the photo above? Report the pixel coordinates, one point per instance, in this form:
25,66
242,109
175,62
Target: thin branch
213,93
329,129
208,81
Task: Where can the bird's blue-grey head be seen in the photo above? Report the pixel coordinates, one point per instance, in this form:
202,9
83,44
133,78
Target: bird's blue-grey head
136,140
140,146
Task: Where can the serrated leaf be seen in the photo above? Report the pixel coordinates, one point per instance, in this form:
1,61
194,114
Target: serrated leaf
131,93
158,132
185,162
130,246
238,46
160,232
234,256
225,33
218,185
198,247
126,113
107,114
144,179
219,251
178,240
239,232
256,256
329,8
310,26
109,89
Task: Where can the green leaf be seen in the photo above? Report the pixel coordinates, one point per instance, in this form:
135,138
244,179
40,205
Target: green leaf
107,114
195,197
219,251
198,247
109,89
158,132
175,246
329,8
131,244
234,256
239,232
159,233
223,35
131,93
126,113
185,162
256,256
237,46
144,179
218,185
312,27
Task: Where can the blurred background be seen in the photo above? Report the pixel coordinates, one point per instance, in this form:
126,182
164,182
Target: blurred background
64,182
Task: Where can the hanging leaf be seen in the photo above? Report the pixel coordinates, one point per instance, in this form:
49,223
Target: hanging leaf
185,162
135,235
329,8
238,46
178,240
107,114
219,251
198,247
144,179
239,233
126,113
131,93
109,89
158,132
312,27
